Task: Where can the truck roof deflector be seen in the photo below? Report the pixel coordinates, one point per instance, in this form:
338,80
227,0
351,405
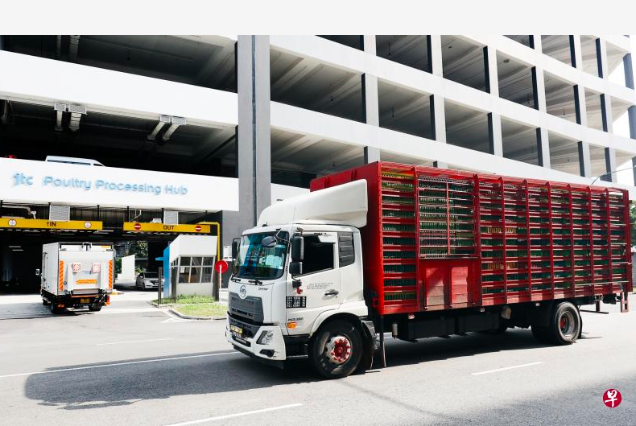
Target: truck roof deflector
340,205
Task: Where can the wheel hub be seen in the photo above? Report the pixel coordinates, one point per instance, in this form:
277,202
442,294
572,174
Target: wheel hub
338,349
567,324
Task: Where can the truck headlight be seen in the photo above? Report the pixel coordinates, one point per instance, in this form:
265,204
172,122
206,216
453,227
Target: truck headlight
265,338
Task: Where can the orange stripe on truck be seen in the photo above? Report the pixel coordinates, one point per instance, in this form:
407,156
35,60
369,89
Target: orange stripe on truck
110,274
61,281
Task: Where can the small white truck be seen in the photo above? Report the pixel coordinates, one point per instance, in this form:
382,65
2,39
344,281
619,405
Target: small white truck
77,275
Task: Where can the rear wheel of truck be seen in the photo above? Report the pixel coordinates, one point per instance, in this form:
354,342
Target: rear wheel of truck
55,309
336,350
565,324
95,307
45,302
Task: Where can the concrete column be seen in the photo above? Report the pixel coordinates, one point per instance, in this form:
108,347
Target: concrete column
543,148
370,100
629,70
492,76
631,111
371,155
538,83
253,147
495,135
601,52
576,52
579,101
492,84
608,115
438,124
610,165
437,66
585,166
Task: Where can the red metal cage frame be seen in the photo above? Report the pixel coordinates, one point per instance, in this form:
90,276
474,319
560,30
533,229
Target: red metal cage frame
445,239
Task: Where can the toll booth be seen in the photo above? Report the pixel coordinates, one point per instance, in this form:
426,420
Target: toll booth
189,265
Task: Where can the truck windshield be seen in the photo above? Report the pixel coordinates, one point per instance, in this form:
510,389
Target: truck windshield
258,262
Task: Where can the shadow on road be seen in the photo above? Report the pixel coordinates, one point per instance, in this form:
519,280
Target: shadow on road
189,374
435,349
126,384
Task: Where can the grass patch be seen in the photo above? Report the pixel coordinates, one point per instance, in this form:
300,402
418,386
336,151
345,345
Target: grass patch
186,300
202,309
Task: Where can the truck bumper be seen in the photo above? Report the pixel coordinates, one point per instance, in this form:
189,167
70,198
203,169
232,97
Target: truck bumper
245,337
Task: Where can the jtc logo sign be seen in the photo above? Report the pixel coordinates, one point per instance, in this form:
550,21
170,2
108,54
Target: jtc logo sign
612,398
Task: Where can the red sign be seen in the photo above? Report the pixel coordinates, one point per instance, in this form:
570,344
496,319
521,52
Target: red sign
137,226
198,228
612,398
221,266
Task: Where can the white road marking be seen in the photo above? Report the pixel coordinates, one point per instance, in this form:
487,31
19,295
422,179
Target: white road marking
229,416
135,341
173,320
113,311
117,364
507,368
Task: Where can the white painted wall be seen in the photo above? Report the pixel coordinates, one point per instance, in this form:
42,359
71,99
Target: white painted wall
193,245
128,272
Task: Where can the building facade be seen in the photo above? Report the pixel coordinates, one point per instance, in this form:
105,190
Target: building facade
272,112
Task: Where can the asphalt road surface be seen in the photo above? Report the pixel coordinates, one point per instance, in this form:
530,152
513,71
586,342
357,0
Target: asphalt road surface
133,364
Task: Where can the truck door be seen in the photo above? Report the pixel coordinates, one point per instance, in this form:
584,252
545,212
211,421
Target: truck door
320,279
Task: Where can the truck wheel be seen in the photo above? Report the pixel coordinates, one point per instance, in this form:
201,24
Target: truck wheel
95,307
565,324
336,350
45,302
55,310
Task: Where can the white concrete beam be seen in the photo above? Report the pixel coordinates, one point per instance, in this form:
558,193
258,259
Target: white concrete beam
29,79
348,132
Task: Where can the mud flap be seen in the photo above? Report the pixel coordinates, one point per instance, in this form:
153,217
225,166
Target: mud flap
624,302
368,332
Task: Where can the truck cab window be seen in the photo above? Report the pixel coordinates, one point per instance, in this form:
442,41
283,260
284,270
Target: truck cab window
318,255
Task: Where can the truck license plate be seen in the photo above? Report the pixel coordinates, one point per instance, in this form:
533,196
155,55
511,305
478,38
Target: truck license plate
85,300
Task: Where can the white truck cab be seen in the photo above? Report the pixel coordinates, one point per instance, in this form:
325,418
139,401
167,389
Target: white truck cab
297,287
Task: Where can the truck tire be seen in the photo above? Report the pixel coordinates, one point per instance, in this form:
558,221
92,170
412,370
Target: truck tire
336,350
45,302
565,324
55,310
95,307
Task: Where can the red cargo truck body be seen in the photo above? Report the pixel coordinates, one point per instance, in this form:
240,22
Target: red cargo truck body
441,239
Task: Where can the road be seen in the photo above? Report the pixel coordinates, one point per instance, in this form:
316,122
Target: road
133,364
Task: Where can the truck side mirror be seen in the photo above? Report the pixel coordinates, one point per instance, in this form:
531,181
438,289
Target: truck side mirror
296,268
235,248
297,249
37,273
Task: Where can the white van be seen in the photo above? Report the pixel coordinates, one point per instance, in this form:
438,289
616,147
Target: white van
77,275
73,160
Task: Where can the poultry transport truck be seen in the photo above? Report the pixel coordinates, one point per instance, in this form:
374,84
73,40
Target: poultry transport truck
422,252
77,275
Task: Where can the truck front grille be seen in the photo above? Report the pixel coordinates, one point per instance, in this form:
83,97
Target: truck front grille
249,309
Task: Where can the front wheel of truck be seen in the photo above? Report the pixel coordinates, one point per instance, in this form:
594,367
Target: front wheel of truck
336,350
